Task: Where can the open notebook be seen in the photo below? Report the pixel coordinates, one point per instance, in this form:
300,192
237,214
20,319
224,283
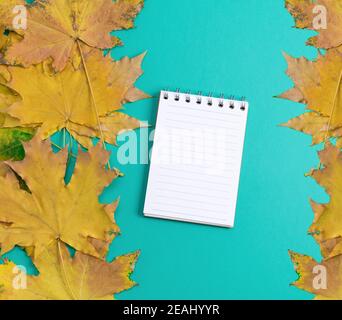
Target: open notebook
196,159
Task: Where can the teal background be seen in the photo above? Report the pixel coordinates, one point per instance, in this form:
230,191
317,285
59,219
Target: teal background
229,46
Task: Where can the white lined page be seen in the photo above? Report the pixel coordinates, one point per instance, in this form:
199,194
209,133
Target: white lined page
196,159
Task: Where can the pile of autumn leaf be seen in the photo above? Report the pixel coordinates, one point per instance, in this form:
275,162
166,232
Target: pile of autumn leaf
53,77
318,85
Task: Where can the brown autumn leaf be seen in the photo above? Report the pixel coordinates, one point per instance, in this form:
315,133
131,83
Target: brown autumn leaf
306,11
317,84
327,224
85,101
53,210
312,276
62,277
55,28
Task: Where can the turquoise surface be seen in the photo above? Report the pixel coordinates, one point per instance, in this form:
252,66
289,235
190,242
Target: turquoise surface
229,46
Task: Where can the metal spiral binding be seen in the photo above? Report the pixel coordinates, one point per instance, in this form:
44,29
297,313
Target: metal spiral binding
199,97
243,105
187,97
177,95
209,101
231,103
221,100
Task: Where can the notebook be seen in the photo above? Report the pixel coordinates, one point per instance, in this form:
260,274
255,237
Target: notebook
196,159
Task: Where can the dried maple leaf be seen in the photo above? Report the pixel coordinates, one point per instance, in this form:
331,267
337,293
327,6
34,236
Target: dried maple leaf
3,43
326,245
6,12
4,169
314,124
56,27
317,84
304,15
53,210
327,216
7,38
11,138
308,277
7,96
61,277
111,126
77,99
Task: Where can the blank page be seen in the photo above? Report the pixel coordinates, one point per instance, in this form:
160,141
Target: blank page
196,159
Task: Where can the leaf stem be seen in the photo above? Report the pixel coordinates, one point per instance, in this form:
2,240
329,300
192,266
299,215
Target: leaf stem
93,98
331,115
64,271
64,137
60,148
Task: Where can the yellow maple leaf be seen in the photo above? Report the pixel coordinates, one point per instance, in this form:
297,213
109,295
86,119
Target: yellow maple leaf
326,245
7,12
325,226
323,279
11,137
78,98
7,98
62,277
3,43
317,84
306,11
7,38
53,210
56,27
4,169
314,124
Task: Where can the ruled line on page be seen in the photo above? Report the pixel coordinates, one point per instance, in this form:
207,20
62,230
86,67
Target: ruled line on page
208,148
189,185
179,173
193,194
224,205
195,179
211,167
201,110
191,159
204,152
200,210
189,129
181,145
206,124
192,188
192,156
207,142
222,118
162,167
190,215
169,132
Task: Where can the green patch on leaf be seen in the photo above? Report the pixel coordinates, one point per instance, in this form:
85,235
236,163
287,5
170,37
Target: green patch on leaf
11,139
